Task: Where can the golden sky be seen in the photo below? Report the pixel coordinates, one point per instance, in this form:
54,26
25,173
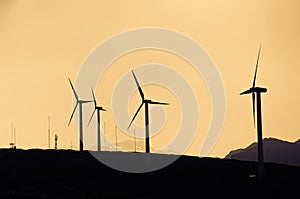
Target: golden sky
42,43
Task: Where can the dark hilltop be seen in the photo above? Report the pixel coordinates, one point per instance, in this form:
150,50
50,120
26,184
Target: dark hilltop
57,174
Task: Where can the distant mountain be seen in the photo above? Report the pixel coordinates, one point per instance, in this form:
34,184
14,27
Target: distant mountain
275,150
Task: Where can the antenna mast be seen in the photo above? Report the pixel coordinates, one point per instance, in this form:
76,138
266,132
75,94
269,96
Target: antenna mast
48,132
116,138
15,139
104,138
134,140
12,133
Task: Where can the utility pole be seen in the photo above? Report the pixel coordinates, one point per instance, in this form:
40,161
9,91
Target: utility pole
48,132
116,138
134,141
15,139
104,137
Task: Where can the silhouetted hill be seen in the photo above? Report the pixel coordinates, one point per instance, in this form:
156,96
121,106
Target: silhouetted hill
71,174
275,150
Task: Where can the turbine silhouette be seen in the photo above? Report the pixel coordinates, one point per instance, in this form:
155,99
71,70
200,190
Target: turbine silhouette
256,93
80,102
98,108
146,102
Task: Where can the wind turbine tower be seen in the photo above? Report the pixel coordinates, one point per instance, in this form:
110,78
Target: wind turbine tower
256,93
146,102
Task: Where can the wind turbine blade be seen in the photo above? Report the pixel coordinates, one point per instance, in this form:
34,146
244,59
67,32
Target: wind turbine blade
253,85
94,97
246,92
85,101
138,85
135,115
92,116
76,96
253,107
73,113
161,103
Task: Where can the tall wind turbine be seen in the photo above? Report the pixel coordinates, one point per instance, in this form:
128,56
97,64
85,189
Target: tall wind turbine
98,108
80,102
256,91
146,102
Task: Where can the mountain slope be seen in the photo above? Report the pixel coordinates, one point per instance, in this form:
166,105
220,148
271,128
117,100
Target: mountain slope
275,150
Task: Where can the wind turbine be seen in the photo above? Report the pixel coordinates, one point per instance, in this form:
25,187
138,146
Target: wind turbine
98,108
256,91
146,102
80,102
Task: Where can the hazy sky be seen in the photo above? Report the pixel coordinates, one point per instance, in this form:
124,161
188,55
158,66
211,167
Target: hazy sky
42,43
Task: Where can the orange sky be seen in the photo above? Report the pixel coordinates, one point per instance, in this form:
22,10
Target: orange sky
42,43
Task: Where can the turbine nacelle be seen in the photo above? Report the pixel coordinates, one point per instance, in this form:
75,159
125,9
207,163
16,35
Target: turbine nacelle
100,108
254,90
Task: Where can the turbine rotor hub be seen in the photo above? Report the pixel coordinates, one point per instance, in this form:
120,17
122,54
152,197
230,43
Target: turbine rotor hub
259,90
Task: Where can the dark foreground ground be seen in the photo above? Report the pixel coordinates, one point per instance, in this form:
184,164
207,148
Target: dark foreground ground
71,174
